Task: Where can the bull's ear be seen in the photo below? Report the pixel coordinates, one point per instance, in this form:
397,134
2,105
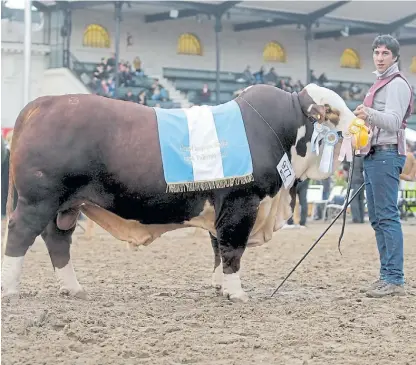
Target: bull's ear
318,112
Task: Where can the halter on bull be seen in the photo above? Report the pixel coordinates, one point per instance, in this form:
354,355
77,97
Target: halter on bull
108,159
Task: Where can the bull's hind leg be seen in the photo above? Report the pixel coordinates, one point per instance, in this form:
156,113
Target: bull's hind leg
26,223
217,275
58,241
234,223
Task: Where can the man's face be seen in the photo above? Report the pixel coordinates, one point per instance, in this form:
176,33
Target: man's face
383,58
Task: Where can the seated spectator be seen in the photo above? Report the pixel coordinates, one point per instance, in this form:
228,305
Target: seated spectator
111,87
159,93
313,77
271,77
125,77
259,76
142,98
128,96
247,76
322,79
112,60
205,94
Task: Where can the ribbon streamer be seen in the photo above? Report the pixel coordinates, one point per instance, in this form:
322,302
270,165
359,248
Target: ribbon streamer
330,140
346,148
319,132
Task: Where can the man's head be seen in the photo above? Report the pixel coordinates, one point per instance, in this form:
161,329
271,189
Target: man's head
386,51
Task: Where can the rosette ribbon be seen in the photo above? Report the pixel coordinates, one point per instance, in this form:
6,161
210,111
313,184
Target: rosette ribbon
359,132
319,132
330,140
346,147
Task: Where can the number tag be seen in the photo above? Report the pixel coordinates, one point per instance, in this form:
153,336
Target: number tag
285,170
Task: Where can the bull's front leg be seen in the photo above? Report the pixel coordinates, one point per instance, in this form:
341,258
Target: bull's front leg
217,275
235,221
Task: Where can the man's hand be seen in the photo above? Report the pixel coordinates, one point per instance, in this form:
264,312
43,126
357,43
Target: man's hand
361,112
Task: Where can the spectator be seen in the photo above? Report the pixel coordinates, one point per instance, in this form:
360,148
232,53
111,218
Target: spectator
271,77
259,76
205,94
142,98
128,96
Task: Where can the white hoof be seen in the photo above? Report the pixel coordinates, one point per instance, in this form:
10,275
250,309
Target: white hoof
76,293
217,277
237,297
10,276
232,288
68,282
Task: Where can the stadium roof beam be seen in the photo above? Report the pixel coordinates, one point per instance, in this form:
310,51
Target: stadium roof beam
192,10
287,18
380,28
407,41
41,7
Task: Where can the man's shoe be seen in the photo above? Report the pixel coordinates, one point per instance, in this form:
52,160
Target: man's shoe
386,290
373,286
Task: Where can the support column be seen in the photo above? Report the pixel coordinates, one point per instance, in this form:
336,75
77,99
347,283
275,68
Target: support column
27,52
218,29
308,38
118,5
66,34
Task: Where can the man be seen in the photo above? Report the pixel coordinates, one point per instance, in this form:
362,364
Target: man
301,191
385,110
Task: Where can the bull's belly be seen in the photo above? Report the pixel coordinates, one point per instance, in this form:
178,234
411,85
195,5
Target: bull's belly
161,209
141,225
140,222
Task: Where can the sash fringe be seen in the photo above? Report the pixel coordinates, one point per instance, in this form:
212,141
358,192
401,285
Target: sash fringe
209,185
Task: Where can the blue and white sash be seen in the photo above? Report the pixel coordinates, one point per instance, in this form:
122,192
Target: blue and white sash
204,147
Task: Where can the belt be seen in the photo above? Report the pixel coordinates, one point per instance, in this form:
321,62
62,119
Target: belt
383,147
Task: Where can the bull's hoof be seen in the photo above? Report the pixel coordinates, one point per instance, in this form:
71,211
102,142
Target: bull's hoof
78,293
240,296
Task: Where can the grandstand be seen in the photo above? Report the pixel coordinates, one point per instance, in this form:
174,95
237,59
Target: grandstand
178,55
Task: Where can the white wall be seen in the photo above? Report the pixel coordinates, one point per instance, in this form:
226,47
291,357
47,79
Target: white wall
155,44
60,81
12,64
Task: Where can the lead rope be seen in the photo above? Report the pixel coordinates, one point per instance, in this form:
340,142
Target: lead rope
323,234
344,216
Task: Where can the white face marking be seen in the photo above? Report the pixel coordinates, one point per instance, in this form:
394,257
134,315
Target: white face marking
10,274
68,281
322,95
217,277
232,288
308,166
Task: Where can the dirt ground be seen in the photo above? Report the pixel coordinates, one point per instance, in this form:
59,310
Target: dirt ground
155,305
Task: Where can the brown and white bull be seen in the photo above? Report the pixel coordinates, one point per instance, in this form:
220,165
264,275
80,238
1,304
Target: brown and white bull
88,153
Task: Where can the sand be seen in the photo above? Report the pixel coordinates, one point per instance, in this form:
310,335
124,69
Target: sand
156,306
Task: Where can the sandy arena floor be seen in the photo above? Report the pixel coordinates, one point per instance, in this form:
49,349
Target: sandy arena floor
155,305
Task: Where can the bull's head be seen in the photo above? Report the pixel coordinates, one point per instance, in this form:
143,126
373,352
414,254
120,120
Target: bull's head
331,113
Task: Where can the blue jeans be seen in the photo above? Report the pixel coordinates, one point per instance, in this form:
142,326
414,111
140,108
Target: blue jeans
381,174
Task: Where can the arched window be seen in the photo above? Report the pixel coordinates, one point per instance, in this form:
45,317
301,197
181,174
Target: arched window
350,59
413,65
189,44
274,52
96,36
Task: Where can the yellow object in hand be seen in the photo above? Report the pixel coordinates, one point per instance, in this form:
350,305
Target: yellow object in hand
359,132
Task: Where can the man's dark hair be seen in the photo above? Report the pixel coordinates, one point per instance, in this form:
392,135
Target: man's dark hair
389,42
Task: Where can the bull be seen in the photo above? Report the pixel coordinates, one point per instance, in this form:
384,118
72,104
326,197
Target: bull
103,157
